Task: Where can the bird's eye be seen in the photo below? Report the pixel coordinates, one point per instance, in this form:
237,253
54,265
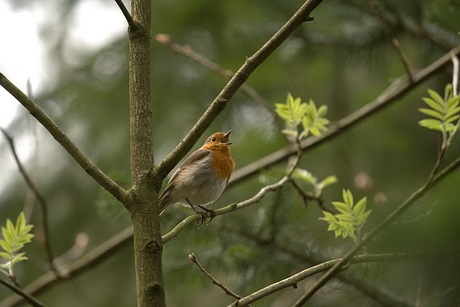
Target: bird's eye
213,139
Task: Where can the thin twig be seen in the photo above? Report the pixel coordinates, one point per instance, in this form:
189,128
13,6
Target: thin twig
391,94
396,213
28,298
125,12
192,258
188,52
220,102
42,201
394,41
105,181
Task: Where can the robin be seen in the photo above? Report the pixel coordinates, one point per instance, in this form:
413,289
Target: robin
203,176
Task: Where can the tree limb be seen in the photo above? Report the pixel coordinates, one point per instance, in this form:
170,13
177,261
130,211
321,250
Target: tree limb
126,13
88,166
391,94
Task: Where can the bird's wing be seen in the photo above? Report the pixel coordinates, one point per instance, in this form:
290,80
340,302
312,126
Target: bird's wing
194,157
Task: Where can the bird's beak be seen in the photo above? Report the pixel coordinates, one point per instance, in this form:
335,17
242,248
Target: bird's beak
225,138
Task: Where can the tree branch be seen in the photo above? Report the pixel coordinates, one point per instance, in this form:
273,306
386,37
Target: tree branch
40,198
392,93
92,258
88,166
378,294
292,280
188,52
394,41
406,204
28,298
230,208
229,292
220,102
126,13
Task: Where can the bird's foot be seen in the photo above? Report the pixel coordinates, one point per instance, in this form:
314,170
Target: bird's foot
206,214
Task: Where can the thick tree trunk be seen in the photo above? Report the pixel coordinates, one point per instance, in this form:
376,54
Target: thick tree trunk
144,194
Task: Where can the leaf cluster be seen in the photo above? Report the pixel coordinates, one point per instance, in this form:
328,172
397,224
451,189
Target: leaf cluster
350,217
14,239
296,113
443,112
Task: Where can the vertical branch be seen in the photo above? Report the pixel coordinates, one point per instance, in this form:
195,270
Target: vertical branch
144,194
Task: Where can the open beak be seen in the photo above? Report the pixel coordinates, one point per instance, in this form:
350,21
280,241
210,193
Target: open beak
225,138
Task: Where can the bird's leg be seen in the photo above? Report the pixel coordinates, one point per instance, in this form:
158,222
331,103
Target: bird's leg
212,213
205,214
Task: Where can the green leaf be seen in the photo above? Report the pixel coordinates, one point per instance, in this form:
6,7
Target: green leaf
436,97
360,207
363,217
328,181
345,217
433,104
453,102
432,124
328,216
342,207
14,239
305,176
347,197
5,255
431,113
6,246
452,119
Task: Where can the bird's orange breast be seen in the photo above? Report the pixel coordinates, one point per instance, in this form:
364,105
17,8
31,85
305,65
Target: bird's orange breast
222,162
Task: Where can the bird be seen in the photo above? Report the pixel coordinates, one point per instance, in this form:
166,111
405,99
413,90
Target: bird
202,177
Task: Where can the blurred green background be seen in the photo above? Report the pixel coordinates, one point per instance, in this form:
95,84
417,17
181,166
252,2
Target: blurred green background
342,59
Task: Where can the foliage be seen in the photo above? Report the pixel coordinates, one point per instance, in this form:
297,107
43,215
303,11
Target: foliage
295,112
444,112
307,177
14,239
350,217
